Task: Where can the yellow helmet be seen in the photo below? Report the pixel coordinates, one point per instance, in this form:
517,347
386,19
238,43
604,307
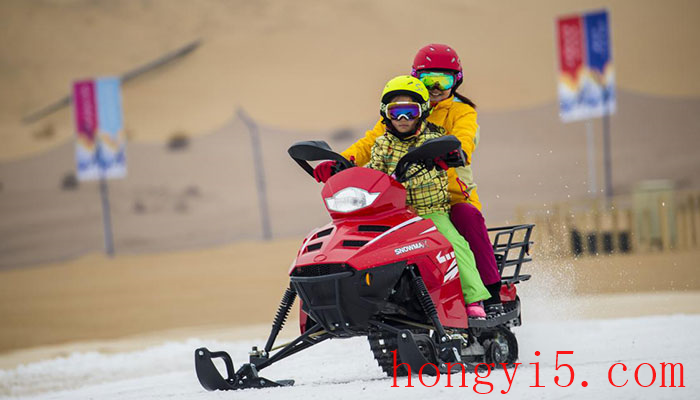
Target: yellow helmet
408,86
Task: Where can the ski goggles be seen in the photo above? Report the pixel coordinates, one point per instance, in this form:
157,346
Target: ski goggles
403,109
438,80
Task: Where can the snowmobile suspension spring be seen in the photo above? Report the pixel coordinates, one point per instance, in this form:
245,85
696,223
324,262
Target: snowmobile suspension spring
285,306
423,296
427,304
281,317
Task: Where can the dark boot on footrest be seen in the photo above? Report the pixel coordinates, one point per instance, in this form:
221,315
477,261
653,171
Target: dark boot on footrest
493,306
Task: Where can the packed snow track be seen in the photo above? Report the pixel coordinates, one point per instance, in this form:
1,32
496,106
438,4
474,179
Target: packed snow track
345,369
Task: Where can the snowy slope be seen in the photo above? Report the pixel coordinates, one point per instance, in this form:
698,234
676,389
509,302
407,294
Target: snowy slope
344,369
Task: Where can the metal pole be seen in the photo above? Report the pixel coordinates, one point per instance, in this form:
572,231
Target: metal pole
590,142
106,217
607,159
259,173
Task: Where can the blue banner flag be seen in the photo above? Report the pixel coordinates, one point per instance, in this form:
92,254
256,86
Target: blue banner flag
586,73
110,127
599,59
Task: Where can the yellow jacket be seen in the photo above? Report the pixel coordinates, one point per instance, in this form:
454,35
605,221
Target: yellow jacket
458,119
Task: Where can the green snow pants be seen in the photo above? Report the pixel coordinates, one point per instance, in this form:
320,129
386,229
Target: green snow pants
472,287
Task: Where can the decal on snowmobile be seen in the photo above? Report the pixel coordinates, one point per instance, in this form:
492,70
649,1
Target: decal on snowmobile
410,247
397,227
441,259
428,230
452,271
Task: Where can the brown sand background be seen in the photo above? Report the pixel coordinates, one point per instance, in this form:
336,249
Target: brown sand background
185,223
309,70
310,64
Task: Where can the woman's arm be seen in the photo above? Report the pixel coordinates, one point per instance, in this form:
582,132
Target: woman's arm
361,149
465,128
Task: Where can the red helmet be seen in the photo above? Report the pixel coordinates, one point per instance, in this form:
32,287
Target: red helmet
437,56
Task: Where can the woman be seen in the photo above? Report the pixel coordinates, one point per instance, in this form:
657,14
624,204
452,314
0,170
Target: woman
439,68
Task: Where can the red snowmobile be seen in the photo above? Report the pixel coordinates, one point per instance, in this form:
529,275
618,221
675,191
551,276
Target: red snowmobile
379,270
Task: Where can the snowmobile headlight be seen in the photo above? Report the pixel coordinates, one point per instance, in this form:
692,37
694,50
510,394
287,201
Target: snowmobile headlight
350,199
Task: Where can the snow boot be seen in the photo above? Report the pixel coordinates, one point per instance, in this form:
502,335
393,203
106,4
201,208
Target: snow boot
476,310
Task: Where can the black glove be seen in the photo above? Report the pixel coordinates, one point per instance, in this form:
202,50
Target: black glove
453,159
437,163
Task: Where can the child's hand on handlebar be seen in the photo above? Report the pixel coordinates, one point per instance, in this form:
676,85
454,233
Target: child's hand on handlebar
324,171
452,159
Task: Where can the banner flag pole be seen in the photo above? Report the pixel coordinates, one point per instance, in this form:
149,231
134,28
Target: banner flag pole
590,141
106,217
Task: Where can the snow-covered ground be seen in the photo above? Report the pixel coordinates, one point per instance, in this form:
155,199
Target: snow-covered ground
345,369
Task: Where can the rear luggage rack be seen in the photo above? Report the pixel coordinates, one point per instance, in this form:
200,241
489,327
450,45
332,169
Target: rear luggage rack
511,246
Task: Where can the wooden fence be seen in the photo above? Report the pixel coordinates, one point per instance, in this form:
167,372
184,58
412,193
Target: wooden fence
666,220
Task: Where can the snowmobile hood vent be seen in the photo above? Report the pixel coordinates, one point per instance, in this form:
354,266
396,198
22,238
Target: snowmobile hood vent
320,269
354,243
323,233
373,228
313,247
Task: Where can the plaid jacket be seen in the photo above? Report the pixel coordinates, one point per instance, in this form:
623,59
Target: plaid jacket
427,191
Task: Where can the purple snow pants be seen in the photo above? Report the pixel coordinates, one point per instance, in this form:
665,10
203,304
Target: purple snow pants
470,223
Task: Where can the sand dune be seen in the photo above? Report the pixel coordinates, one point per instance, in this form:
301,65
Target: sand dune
305,70
308,64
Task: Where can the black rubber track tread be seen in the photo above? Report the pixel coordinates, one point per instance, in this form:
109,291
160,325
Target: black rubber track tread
382,344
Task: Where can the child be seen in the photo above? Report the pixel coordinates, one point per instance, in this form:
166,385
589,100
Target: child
404,108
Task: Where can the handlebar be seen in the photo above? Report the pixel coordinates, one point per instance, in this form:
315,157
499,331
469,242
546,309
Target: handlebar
318,150
315,150
428,151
